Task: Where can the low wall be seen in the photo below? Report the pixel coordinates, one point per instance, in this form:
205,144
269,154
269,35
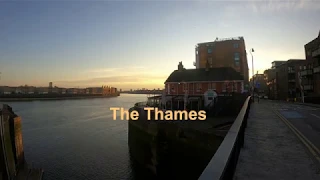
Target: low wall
171,153
228,105
178,151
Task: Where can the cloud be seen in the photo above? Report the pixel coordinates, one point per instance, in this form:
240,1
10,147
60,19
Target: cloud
121,77
282,5
235,9
137,80
104,70
117,79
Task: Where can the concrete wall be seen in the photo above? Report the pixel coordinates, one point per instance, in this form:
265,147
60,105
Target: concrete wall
173,151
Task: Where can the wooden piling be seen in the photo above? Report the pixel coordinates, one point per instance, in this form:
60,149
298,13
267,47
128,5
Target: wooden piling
12,161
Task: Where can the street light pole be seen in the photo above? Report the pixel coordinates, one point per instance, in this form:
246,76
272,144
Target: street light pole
251,51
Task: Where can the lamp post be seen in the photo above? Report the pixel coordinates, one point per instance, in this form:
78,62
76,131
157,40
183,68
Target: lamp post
251,51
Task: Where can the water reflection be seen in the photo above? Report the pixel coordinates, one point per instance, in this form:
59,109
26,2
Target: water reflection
77,139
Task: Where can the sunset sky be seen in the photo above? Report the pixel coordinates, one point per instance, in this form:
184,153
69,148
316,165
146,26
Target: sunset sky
130,44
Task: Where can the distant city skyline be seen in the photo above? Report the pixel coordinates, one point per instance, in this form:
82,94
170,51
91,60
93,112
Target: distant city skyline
130,45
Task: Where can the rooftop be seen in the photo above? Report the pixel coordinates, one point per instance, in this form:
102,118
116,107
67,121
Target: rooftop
212,74
223,39
279,61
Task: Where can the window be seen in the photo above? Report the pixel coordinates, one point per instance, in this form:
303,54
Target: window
209,50
236,45
225,87
236,56
213,86
234,88
185,87
172,88
198,86
237,59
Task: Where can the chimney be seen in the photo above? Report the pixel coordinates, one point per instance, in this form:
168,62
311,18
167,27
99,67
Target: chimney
180,66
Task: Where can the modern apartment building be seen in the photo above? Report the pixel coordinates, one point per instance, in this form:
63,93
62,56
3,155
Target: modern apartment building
270,78
311,69
287,75
275,64
283,79
229,52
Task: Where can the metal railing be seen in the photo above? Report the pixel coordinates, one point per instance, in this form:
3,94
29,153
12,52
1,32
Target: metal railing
306,72
291,71
223,163
146,103
308,87
316,69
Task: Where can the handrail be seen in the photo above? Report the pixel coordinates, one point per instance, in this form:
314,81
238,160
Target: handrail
223,163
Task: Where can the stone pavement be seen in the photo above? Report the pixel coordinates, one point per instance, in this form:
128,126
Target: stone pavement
271,150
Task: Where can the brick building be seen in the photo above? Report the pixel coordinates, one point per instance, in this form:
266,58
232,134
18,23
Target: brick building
198,81
283,79
311,69
223,53
270,78
287,76
275,64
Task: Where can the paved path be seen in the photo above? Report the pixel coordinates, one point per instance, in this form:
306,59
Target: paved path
272,151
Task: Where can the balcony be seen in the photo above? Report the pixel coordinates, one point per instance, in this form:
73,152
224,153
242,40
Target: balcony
316,69
291,71
306,72
316,53
308,87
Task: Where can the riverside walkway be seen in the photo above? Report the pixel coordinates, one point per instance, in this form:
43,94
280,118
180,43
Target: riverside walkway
273,149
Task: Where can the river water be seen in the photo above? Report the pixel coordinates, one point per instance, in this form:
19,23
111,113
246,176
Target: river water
77,139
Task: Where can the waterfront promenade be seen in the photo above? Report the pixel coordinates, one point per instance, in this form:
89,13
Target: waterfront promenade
274,148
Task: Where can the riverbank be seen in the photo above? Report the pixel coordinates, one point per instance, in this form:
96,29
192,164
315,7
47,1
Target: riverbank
53,97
